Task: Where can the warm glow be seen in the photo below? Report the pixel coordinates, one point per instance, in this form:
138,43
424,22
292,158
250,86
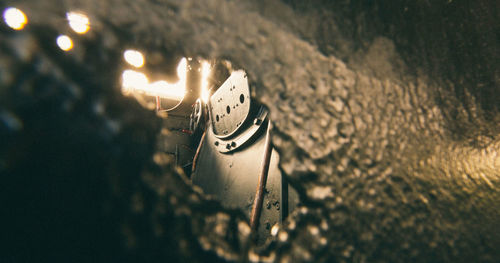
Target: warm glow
64,42
78,22
165,90
134,81
134,58
205,72
15,18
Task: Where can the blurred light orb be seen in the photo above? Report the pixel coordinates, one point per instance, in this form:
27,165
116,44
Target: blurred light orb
136,82
164,89
15,18
133,80
64,42
78,22
134,58
205,72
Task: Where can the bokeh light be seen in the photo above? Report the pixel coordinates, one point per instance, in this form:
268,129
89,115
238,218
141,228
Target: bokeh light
64,42
205,72
134,58
78,22
15,18
134,81
166,90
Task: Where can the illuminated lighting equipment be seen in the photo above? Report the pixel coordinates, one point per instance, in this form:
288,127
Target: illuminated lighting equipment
165,90
78,22
64,42
205,72
15,18
133,81
134,58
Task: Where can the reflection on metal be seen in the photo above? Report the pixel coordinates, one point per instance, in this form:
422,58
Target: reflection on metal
137,82
15,18
240,168
205,72
196,118
165,90
78,22
240,139
64,42
230,105
134,58
197,154
259,193
232,178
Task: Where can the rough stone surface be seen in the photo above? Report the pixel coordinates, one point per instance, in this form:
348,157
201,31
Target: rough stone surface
386,119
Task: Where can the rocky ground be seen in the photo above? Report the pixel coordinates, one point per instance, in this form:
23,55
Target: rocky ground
385,116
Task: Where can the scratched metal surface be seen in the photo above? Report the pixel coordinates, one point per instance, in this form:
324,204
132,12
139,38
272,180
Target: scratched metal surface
230,105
